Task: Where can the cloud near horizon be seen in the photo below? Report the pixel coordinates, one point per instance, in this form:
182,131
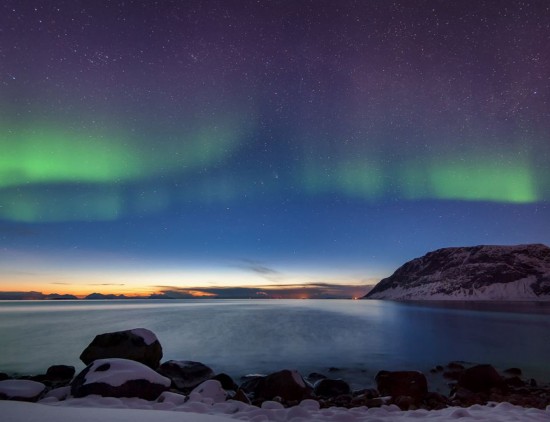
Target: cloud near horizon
306,291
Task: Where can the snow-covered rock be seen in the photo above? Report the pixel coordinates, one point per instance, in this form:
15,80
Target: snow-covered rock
172,398
520,272
119,378
22,390
209,392
60,393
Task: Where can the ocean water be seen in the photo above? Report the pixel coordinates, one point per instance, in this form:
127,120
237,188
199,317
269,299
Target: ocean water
341,338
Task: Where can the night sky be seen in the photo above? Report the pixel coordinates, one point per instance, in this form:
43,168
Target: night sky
169,146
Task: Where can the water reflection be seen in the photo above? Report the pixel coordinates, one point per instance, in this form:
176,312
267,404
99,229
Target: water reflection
242,336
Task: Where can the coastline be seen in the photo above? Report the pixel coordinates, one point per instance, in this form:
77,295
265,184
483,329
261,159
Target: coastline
444,387
124,380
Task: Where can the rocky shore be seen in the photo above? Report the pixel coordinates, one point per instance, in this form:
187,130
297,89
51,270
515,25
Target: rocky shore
128,364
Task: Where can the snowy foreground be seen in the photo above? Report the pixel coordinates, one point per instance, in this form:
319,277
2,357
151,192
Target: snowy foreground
102,409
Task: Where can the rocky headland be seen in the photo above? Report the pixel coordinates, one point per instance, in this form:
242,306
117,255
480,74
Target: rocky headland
504,273
128,364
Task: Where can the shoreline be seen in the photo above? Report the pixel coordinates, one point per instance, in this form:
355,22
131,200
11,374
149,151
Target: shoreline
130,364
508,386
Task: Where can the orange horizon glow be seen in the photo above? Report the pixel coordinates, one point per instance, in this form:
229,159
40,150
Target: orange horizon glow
293,291
42,275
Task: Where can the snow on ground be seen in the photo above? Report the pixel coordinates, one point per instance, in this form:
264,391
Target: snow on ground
108,409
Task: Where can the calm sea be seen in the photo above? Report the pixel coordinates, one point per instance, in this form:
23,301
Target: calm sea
260,336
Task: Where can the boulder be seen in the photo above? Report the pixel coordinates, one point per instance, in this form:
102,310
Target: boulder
402,383
515,372
514,382
208,392
138,344
251,383
56,376
286,384
241,396
21,390
480,378
119,378
59,393
455,366
172,398
331,388
185,374
226,381
314,377
60,373
404,402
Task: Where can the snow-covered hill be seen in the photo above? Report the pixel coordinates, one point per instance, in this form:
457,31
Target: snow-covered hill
519,272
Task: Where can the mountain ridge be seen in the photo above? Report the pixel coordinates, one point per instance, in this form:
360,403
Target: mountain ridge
483,272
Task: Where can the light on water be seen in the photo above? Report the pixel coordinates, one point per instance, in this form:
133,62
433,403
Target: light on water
247,336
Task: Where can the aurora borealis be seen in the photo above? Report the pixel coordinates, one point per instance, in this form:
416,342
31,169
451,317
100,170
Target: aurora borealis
153,146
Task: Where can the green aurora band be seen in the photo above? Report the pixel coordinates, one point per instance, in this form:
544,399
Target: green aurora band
49,174
471,177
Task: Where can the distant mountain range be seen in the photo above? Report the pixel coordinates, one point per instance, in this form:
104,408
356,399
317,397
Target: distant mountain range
308,291
34,296
54,296
512,273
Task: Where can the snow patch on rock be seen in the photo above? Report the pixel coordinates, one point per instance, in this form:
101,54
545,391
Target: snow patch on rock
208,392
148,336
116,372
25,389
60,393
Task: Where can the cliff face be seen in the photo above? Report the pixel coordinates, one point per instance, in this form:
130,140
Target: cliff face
519,272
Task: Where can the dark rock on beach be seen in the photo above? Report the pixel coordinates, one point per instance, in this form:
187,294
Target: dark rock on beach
56,376
514,382
251,383
185,374
513,372
119,378
402,383
314,377
331,388
226,381
139,344
241,396
60,373
456,366
286,384
480,378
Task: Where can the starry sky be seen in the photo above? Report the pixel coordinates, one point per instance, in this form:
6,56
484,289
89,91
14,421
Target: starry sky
303,146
